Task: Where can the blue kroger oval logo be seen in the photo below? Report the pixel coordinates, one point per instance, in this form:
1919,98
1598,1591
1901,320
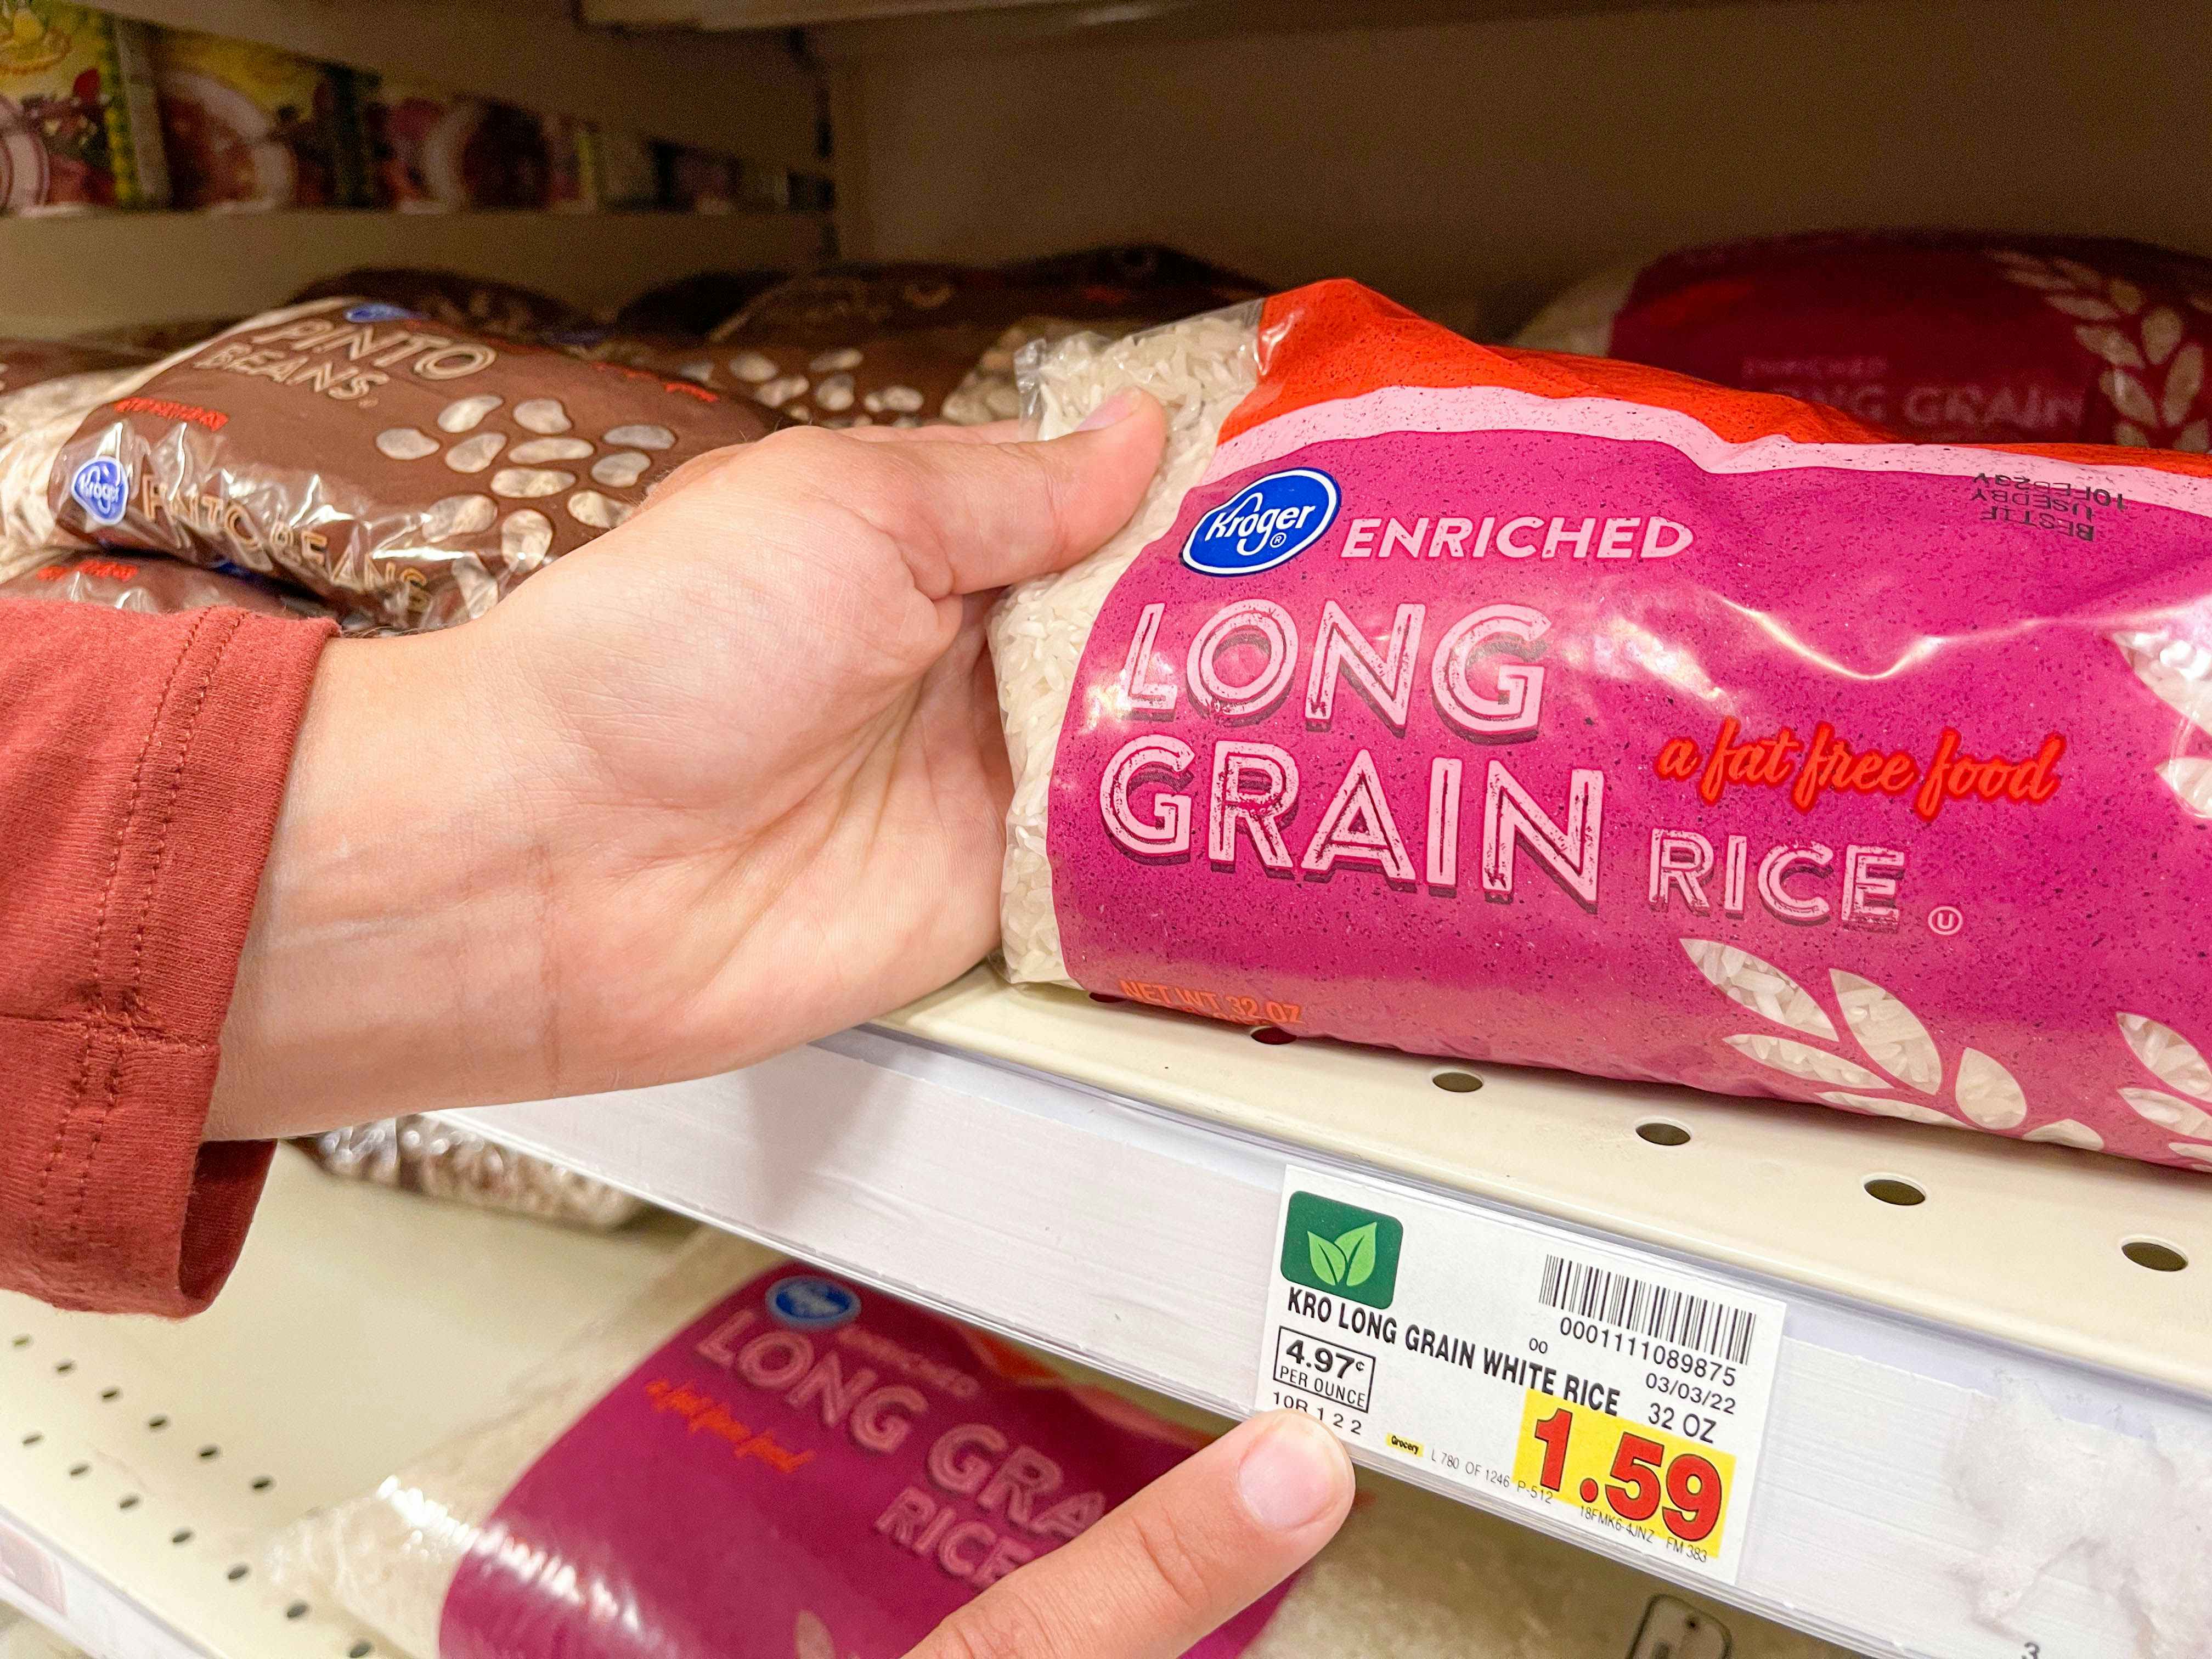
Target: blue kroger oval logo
102,489
378,312
806,1303
1267,522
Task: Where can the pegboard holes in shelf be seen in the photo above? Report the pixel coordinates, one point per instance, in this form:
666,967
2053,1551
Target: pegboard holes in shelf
1457,1083
1894,1189
2154,1253
1273,1035
1660,1132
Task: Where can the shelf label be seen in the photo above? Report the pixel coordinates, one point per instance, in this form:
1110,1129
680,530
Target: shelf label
1608,1388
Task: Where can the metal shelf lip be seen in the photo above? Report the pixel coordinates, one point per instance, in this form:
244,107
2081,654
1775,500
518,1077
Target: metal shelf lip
985,1151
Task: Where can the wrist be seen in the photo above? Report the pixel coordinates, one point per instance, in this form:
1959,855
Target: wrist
396,961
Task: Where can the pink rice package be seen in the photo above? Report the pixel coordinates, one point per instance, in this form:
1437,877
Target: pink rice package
1554,711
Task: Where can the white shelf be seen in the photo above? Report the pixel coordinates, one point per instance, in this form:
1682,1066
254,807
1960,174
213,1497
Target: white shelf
364,1326
66,275
1104,1182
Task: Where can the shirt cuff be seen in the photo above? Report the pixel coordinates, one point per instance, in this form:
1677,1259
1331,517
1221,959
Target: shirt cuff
108,1198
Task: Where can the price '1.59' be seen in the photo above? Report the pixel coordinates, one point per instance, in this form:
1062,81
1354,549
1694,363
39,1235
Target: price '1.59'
1671,1489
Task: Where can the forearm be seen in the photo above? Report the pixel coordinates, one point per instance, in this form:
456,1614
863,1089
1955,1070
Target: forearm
395,962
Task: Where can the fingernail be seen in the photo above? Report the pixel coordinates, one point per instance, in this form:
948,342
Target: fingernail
1119,407
1292,1473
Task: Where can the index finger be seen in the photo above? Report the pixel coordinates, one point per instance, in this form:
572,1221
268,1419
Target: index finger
1178,1560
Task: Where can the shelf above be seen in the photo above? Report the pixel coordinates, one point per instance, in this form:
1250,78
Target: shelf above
986,1150
71,274
748,97
936,27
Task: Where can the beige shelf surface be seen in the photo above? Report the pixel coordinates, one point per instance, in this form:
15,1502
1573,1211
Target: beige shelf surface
60,276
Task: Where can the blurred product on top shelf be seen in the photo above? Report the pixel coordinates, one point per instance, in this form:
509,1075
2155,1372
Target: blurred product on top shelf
433,151
79,126
454,300
251,127
701,181
857,345
154,586
1940,335
476,460
937,1458
625,170
422,1155
1755,751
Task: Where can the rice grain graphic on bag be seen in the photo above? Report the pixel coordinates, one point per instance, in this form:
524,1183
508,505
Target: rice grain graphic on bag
1561,711
406,472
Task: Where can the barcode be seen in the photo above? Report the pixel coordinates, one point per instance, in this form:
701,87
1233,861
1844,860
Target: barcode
1680,1318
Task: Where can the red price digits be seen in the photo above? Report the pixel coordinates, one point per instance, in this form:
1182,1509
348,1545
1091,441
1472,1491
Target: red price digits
1694,1495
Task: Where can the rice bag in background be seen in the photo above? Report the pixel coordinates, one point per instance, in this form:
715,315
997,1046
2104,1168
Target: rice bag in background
1948,337
248,127
863,344
438,152
404,472
813,1470
453,299
1561,712
152,585
79,128
424,1155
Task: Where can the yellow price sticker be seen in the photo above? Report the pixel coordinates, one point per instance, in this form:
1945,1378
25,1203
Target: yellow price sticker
1643,1478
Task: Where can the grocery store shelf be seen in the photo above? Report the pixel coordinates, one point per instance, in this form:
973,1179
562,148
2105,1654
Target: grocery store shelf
867,27
143,1462
750,97
65,274
1104,1181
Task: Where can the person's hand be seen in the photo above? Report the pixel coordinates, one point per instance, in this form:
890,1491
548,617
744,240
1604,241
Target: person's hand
726,779
1182,1557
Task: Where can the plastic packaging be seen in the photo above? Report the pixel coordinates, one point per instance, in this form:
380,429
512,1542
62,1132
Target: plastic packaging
424,1155
453,299
152,585
1556,711
1948,337
816,1536
406,472
250,127
866,344
79,128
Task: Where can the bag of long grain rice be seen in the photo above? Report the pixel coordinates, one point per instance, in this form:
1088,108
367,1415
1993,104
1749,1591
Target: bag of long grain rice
1557,711
804,1468
405,473
1943,336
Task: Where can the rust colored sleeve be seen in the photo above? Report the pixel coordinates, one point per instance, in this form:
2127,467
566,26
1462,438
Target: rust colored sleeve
143,761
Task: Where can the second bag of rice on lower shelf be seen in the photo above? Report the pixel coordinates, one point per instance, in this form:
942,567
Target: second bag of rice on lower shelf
811,1469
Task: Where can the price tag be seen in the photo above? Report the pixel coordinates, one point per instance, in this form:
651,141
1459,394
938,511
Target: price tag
1610,1388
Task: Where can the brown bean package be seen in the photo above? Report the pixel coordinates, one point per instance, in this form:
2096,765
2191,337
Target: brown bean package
152,584
406,473
25,363
453,299
857,345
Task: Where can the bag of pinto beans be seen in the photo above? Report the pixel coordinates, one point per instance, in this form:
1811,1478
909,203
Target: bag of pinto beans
1560,711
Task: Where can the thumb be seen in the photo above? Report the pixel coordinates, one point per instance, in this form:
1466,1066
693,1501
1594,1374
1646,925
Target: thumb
1184,1556
976,516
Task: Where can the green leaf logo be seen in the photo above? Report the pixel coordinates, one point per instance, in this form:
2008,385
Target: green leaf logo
1328,1263
1358,1249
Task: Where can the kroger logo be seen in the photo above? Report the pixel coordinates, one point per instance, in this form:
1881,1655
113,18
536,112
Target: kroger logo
806,1303
1270,521
379,312
102,489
